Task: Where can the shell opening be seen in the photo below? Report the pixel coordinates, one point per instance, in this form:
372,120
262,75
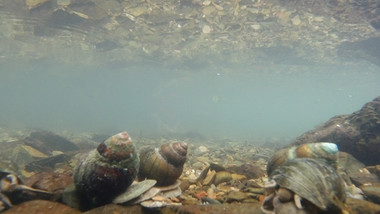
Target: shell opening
298,202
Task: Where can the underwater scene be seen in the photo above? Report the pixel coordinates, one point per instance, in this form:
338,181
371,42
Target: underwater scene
190,106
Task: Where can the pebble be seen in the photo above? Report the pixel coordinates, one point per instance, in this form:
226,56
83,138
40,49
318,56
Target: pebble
372,192
209,178
222,176
296,20
236,196
206,29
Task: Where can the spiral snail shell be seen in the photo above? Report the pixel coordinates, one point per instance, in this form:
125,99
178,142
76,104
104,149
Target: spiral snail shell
164,164
107,171
325,151
303,179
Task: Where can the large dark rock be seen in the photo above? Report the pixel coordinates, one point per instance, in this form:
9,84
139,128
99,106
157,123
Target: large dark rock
47,142
357,133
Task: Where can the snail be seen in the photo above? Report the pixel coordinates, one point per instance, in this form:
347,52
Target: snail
325,151
304,185
107,171
163,164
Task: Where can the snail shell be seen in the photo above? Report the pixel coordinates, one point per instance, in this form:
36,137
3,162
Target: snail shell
107,171
313,180
322,150
164,164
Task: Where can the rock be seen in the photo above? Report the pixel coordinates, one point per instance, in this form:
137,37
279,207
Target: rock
296,20
47,142
202,149
372,192
249,170
357,134
209,178
236,196
32,4
349,163
137,11
222,176
362,207
51,182
47,164
363,177
184,184
63,2
41,206
206,29
24,154
256,27
238,177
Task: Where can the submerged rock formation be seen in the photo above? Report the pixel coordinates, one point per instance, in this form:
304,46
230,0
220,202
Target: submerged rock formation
357,133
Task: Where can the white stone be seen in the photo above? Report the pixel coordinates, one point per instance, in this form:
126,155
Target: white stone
206,29
296,20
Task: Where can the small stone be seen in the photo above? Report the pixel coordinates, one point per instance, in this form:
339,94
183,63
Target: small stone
372,192
296,20
256,27
184,184
209,178
206,3
137,11
63,2
32,4
206,29
238,177
362,206
203,149
208,10
319,18
236,196
222,176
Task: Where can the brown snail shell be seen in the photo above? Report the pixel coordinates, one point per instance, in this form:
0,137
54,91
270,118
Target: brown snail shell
107,171
325,151
312,180
164,164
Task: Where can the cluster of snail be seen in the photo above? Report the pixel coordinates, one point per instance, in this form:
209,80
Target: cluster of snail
304,179
106,172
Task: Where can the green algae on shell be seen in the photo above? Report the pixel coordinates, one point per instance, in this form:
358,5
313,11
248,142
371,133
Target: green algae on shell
107,171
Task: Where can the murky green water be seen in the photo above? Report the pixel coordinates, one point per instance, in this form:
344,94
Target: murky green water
266,103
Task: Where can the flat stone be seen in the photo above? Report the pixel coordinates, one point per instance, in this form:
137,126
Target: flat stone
222,176
209,178
32,4
236,196
358,206
296,20
372,192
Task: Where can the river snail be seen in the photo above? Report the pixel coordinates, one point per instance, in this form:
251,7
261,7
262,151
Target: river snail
107,171
324,151
304,185
164,164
